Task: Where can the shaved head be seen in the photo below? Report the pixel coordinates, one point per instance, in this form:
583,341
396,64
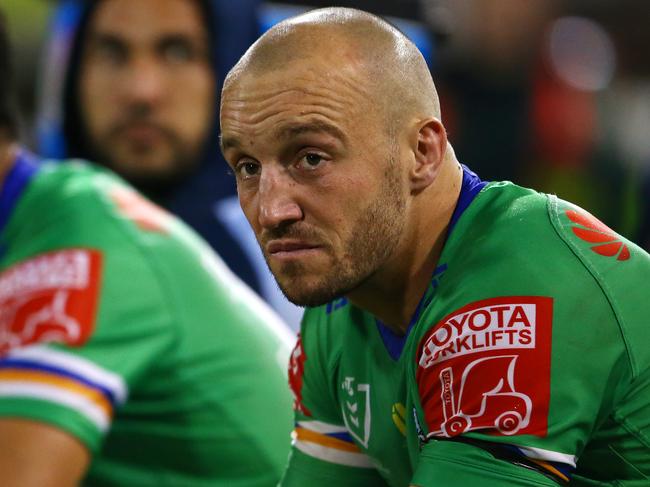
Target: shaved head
331,124
393,69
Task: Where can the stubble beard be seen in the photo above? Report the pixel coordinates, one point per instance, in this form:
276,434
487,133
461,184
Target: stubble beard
375,236
138,165
181,162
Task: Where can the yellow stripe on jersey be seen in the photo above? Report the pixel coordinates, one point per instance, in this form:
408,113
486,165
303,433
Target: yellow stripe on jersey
63,383
303,434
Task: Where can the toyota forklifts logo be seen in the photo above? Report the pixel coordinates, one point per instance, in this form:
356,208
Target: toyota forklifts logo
487,367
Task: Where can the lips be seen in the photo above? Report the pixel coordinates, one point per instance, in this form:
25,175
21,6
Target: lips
142,132
275,247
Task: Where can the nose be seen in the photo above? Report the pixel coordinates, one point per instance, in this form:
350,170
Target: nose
277,198
145,82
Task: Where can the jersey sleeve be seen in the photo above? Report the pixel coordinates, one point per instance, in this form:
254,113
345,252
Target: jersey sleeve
323,452
509,390
82,320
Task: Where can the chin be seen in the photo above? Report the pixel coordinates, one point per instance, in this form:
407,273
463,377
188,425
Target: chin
310,300
303,294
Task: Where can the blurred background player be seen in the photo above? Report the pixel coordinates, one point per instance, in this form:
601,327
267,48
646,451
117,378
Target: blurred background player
129,353
134,85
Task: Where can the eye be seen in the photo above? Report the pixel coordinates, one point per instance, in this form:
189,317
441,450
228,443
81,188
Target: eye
247,169
178,50
311,161
109,51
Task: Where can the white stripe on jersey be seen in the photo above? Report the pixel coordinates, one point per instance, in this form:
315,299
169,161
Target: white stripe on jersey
77,365
548,455
332,455
320,427
79,403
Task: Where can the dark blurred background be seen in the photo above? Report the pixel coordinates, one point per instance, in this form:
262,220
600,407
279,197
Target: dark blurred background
553,94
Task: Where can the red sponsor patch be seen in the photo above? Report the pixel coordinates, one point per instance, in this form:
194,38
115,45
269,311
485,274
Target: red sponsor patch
296,371
592,230
50,298
486,367
142,212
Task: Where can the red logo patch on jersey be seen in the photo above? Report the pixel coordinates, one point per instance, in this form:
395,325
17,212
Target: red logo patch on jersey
144,213
296,371
486,367
50,298
592,230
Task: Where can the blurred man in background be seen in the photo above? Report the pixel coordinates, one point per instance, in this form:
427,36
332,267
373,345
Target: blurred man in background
134,85
129,353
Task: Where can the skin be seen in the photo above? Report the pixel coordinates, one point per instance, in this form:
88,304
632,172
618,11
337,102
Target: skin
331,124
146,87
7,155
37,455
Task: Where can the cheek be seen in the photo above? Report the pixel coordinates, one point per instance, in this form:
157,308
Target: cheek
336,205
195,102
248,203
95,99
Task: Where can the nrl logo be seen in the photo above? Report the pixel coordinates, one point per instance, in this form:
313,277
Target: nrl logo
356,409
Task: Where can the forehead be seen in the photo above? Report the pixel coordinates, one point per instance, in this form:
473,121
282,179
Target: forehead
314,90
142,20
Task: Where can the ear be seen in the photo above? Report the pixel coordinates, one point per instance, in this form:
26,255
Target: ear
429,149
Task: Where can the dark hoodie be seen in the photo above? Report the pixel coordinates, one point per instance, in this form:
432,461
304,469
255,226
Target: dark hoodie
207,199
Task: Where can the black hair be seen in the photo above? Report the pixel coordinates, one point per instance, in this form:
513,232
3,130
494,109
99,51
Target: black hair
8,123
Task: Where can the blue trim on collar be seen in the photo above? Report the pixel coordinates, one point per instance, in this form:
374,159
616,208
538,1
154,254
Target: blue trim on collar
24,168
393,342
471,186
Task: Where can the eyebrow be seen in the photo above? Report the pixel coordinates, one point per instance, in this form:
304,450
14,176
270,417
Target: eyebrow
104,38
316,126
228,143
290,131
163,40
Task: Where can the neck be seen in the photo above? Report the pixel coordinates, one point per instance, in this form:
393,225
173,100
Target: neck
393,293
7,158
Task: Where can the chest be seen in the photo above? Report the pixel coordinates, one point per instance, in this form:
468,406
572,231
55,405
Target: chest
372,396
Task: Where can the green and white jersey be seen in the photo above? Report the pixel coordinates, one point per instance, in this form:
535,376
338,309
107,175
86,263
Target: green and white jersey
119,326
526,363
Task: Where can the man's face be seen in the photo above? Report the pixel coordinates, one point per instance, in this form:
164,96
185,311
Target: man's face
147,87
318,177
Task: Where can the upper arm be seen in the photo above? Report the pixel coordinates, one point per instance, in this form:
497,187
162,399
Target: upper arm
34,454
506,382
79,336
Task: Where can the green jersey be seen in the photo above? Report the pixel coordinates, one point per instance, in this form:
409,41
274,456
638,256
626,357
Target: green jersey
527,361
121,327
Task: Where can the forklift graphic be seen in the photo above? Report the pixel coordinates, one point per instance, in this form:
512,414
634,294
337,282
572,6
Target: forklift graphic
486,399
51,321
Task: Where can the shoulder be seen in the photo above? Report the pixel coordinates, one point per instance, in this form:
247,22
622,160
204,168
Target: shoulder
75,238
511,233
618,267
82,200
